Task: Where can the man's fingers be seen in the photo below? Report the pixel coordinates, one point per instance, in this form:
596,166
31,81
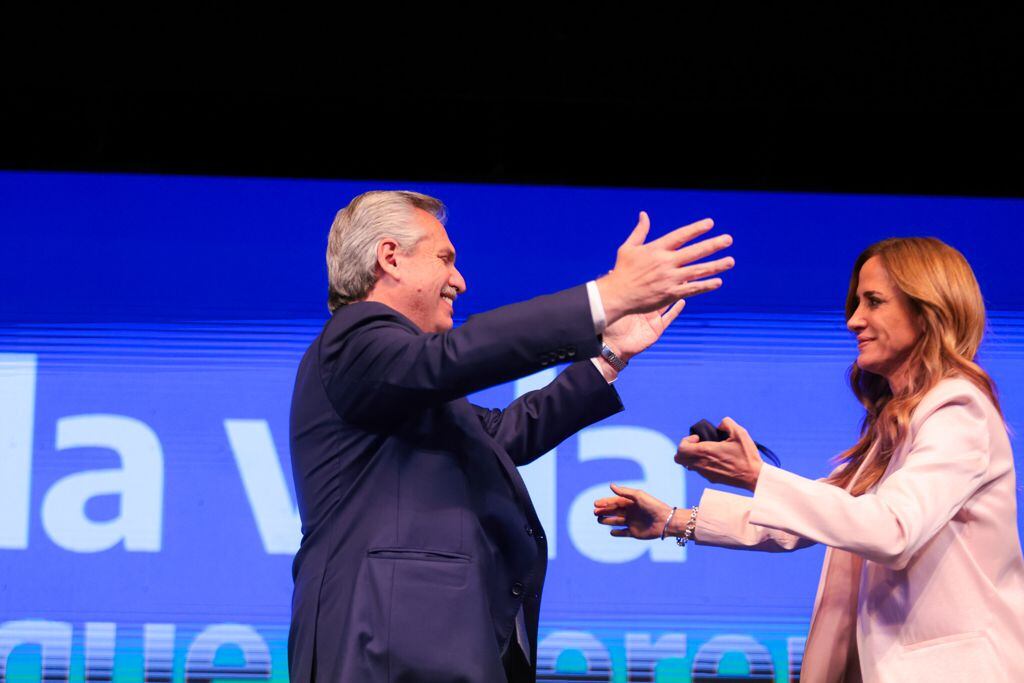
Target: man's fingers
698,271
620,533
702,249
681,236
673,312
691,289
639,234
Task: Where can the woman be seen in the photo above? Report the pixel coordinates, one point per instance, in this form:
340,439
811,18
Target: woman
923,579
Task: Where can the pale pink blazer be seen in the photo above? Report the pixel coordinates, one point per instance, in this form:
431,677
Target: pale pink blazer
923,579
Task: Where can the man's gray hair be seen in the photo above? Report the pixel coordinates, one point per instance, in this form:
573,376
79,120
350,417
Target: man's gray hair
359,228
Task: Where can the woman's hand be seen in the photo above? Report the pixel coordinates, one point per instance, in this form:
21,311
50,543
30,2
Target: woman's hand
734,461
636,513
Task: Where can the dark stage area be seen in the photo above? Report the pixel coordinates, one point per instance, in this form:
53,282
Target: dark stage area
784,100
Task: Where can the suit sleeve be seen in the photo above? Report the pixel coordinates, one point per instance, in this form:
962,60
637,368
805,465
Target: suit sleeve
539,420
379,364
946,463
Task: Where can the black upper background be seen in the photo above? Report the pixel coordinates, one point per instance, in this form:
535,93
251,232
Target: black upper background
779,98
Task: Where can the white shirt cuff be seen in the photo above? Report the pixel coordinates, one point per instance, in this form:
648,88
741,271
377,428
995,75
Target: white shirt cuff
596,308
610,375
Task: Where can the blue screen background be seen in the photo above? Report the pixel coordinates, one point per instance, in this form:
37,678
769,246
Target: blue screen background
150,328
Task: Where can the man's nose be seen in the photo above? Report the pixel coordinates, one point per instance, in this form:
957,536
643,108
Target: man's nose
457,281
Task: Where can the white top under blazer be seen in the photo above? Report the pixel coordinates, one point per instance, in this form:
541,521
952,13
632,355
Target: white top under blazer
923,579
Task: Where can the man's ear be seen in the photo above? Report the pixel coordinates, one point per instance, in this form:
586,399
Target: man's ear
387,257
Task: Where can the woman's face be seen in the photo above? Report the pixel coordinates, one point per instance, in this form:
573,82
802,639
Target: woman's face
884,323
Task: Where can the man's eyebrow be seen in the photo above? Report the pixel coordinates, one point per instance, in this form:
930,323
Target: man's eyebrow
447,251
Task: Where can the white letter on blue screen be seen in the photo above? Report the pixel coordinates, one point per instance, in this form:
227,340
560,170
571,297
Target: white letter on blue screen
595,654
17,414
158,652
663,479
139,482
53,639
277,518
199,664
709,656
643,656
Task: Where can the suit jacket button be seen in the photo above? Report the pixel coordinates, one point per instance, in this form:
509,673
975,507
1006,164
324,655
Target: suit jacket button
517,589
571,351
529,530
561,355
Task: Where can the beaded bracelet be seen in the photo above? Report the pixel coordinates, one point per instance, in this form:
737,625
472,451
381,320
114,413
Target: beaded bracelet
691,526
664,529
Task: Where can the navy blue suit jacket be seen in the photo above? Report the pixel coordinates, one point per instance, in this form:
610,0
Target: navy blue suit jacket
419,540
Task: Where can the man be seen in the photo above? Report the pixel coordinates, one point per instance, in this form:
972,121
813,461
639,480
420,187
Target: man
422,557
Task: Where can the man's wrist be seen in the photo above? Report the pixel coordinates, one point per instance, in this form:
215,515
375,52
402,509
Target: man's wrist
614,306
612,357
612,344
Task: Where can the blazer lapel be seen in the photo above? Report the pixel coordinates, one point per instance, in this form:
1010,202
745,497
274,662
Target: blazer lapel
834,618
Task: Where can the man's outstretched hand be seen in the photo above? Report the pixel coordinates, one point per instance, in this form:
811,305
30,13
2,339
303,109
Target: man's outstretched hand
652,276
633,333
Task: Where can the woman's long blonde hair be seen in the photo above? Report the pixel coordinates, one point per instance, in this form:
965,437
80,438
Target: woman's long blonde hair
946,300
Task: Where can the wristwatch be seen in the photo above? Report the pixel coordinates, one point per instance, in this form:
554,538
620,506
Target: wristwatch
612,359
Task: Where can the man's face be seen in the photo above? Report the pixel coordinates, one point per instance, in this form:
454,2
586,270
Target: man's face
430,281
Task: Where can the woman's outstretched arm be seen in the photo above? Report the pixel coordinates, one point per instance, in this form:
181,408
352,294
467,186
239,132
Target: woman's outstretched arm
722,520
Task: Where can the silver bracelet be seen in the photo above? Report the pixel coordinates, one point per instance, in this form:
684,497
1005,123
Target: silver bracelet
691,526
667,521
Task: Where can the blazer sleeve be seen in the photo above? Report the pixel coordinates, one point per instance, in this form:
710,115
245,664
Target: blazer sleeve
539,420
374,362
947,461
724,521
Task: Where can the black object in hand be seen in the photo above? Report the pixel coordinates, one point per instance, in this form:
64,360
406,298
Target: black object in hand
709,432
